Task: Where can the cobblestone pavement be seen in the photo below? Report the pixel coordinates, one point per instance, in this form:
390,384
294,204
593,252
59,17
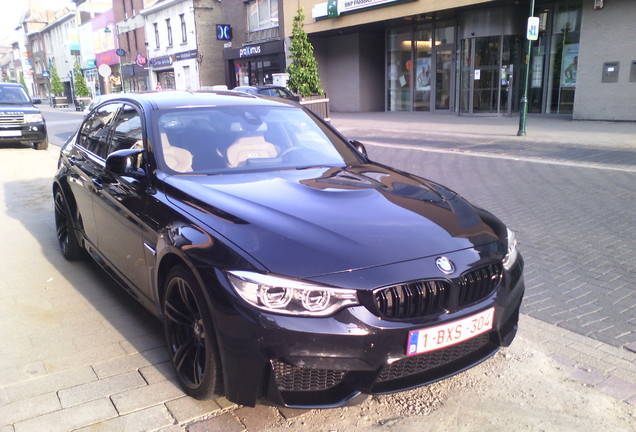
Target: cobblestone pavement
575,225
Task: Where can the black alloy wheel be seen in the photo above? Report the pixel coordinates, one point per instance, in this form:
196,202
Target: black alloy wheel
66,236
190,336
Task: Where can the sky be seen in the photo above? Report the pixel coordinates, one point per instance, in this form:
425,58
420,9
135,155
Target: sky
11,12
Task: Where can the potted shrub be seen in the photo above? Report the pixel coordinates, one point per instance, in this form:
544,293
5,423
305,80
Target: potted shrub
57,88
303,70
81,89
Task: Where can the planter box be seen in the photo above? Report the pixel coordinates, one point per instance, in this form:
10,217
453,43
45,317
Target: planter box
60,101
81,103
319,104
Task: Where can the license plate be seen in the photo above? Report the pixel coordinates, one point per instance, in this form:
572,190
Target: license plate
442,336
10,133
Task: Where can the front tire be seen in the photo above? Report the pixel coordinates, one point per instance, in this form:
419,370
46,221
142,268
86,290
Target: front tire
66,236
42,145
190,337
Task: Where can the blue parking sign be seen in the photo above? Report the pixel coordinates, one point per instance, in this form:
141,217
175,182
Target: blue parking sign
533,28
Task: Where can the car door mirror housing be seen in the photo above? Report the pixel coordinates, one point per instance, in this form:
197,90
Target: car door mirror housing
359,147
124,162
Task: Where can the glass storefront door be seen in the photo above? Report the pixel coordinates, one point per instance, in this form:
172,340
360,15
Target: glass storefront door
256,71
420,71
443,77
399,76
423,70
487,74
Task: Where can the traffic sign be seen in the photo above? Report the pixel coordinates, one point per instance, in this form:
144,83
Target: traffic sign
104,70
120,52
533,28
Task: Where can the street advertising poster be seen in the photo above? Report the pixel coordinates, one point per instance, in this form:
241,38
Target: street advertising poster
423,74
569,65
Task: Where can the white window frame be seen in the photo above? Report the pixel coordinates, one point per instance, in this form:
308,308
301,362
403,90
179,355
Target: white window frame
254,9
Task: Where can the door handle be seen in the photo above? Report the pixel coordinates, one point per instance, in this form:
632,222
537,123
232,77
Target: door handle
97,183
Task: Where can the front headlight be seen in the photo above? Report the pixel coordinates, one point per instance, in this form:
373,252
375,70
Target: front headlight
290,296
33,118
512,253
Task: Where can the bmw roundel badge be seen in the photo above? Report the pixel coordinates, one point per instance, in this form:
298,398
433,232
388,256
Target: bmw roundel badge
445,265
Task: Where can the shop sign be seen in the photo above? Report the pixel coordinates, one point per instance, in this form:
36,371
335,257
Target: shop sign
161,61
91,63
224,32
335,8
141,60
249,51
186,55
46,74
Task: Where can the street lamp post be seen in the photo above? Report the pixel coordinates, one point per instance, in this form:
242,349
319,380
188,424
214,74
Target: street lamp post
118,51
526,79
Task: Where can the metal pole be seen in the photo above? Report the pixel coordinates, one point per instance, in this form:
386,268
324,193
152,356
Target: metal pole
526,78
121,71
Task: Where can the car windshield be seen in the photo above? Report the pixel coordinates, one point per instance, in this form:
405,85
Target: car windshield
211,140
13,96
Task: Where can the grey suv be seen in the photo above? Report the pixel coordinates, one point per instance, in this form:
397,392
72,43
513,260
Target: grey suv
20,121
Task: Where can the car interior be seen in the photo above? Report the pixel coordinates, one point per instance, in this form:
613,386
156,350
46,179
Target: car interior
208,141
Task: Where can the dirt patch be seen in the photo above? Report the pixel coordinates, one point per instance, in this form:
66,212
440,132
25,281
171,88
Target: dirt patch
520,388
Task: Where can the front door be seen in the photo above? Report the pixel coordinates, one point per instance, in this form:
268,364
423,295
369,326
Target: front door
420,68
119,204
487,72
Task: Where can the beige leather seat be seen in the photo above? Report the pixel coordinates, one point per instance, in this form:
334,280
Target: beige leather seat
177,159
249,147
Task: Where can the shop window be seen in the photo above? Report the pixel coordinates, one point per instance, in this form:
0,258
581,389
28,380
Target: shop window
563,60
262,14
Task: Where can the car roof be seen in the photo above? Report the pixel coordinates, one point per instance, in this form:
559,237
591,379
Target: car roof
179,99
3,84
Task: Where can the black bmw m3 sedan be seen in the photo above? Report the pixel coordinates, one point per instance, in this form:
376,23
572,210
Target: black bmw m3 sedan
284,265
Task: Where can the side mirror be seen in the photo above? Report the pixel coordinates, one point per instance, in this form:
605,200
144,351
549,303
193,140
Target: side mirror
37,101
359,147
125,163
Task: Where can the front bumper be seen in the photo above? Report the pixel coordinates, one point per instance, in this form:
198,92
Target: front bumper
328,362
24,134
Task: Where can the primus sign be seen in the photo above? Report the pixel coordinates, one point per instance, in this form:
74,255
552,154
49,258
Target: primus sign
249,51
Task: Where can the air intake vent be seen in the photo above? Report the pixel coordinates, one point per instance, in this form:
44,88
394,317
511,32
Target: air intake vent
412,300
479,284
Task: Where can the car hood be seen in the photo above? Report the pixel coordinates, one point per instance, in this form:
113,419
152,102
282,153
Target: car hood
9,108
317,221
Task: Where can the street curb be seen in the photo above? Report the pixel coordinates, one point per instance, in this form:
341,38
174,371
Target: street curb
609,369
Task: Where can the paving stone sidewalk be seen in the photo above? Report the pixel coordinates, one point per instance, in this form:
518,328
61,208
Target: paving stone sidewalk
77,354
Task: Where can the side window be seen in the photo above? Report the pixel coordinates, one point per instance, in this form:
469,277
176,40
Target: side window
126,130
93,135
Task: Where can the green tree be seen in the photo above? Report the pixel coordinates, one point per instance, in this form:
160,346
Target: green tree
303,69
23,83
56,84
81,89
